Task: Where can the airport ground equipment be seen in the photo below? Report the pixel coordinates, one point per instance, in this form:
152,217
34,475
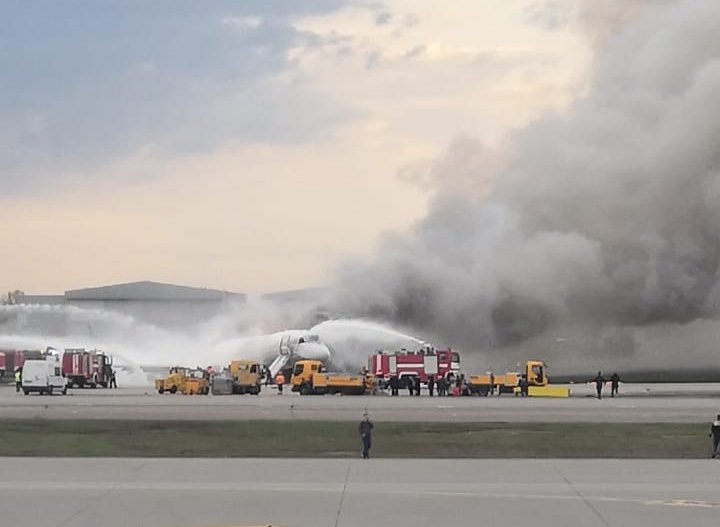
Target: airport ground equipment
310,378
43,376
420,364
222,384
534,372
247,376
197,382
188,381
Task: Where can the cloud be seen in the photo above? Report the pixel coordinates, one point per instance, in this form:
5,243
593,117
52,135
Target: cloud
383,18
172,76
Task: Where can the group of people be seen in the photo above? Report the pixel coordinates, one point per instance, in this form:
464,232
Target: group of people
600,381
445,386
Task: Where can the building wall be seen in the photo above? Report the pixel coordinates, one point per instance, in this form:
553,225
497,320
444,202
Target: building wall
159,312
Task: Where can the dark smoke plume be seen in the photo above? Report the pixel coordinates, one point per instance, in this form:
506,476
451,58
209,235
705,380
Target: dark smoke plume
604,215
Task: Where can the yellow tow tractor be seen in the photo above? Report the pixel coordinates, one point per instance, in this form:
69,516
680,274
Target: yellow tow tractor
535,372
197,382
247,376
184,380
310,378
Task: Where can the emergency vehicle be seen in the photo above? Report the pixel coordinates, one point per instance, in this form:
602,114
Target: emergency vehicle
421,364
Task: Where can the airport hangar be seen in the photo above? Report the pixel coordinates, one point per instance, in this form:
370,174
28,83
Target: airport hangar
152,302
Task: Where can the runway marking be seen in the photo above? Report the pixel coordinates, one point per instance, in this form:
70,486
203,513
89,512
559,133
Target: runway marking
683,503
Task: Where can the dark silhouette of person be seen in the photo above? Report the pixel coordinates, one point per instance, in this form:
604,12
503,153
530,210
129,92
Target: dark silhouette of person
418,385
614,384
409,382
113,380
365,430
431,385
441,387
523,386
715,434
393,386
599,383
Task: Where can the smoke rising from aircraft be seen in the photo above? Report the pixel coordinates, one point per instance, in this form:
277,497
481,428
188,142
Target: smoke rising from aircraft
605,214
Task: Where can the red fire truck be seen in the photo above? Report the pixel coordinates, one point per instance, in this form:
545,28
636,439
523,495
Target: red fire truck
11,360
86,369
438,363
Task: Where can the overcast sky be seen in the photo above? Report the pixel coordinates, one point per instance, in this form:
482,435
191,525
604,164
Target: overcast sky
249,145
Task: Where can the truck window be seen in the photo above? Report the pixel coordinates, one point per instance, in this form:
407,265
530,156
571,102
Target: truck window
253,368
455,356
298,369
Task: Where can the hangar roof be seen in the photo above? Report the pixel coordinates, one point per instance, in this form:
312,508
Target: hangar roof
147,290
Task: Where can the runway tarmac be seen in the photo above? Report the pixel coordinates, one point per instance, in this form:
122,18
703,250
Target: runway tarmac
41,492
660,403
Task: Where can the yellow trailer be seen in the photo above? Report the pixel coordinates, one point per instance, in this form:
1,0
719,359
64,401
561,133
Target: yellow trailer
533,377
310,378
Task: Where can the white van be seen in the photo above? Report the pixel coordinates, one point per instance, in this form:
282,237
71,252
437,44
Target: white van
43,376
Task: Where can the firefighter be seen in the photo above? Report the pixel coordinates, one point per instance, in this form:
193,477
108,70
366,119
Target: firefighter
365,430
431,385
113,380
394,386
418,386
279,381
715,434
599,383
614,384
18,380
523,385
441,386
410,385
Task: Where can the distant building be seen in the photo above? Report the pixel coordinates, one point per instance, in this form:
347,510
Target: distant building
151,302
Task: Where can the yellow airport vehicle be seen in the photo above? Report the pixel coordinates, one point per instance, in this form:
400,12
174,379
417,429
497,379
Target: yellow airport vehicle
247,376
197,382
310,378
184,380
534,372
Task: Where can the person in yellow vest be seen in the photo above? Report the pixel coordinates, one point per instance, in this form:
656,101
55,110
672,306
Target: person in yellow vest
279,381
18,380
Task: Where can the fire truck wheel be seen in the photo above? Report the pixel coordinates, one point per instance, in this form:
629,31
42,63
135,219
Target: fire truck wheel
64,392
173,389
305,390
207,390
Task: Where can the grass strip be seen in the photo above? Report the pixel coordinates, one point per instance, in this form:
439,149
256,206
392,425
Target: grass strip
333,439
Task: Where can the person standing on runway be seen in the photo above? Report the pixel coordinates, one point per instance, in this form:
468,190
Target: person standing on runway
365,429
715,434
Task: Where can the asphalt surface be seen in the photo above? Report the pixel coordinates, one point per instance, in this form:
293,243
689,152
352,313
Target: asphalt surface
41,492
641,403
